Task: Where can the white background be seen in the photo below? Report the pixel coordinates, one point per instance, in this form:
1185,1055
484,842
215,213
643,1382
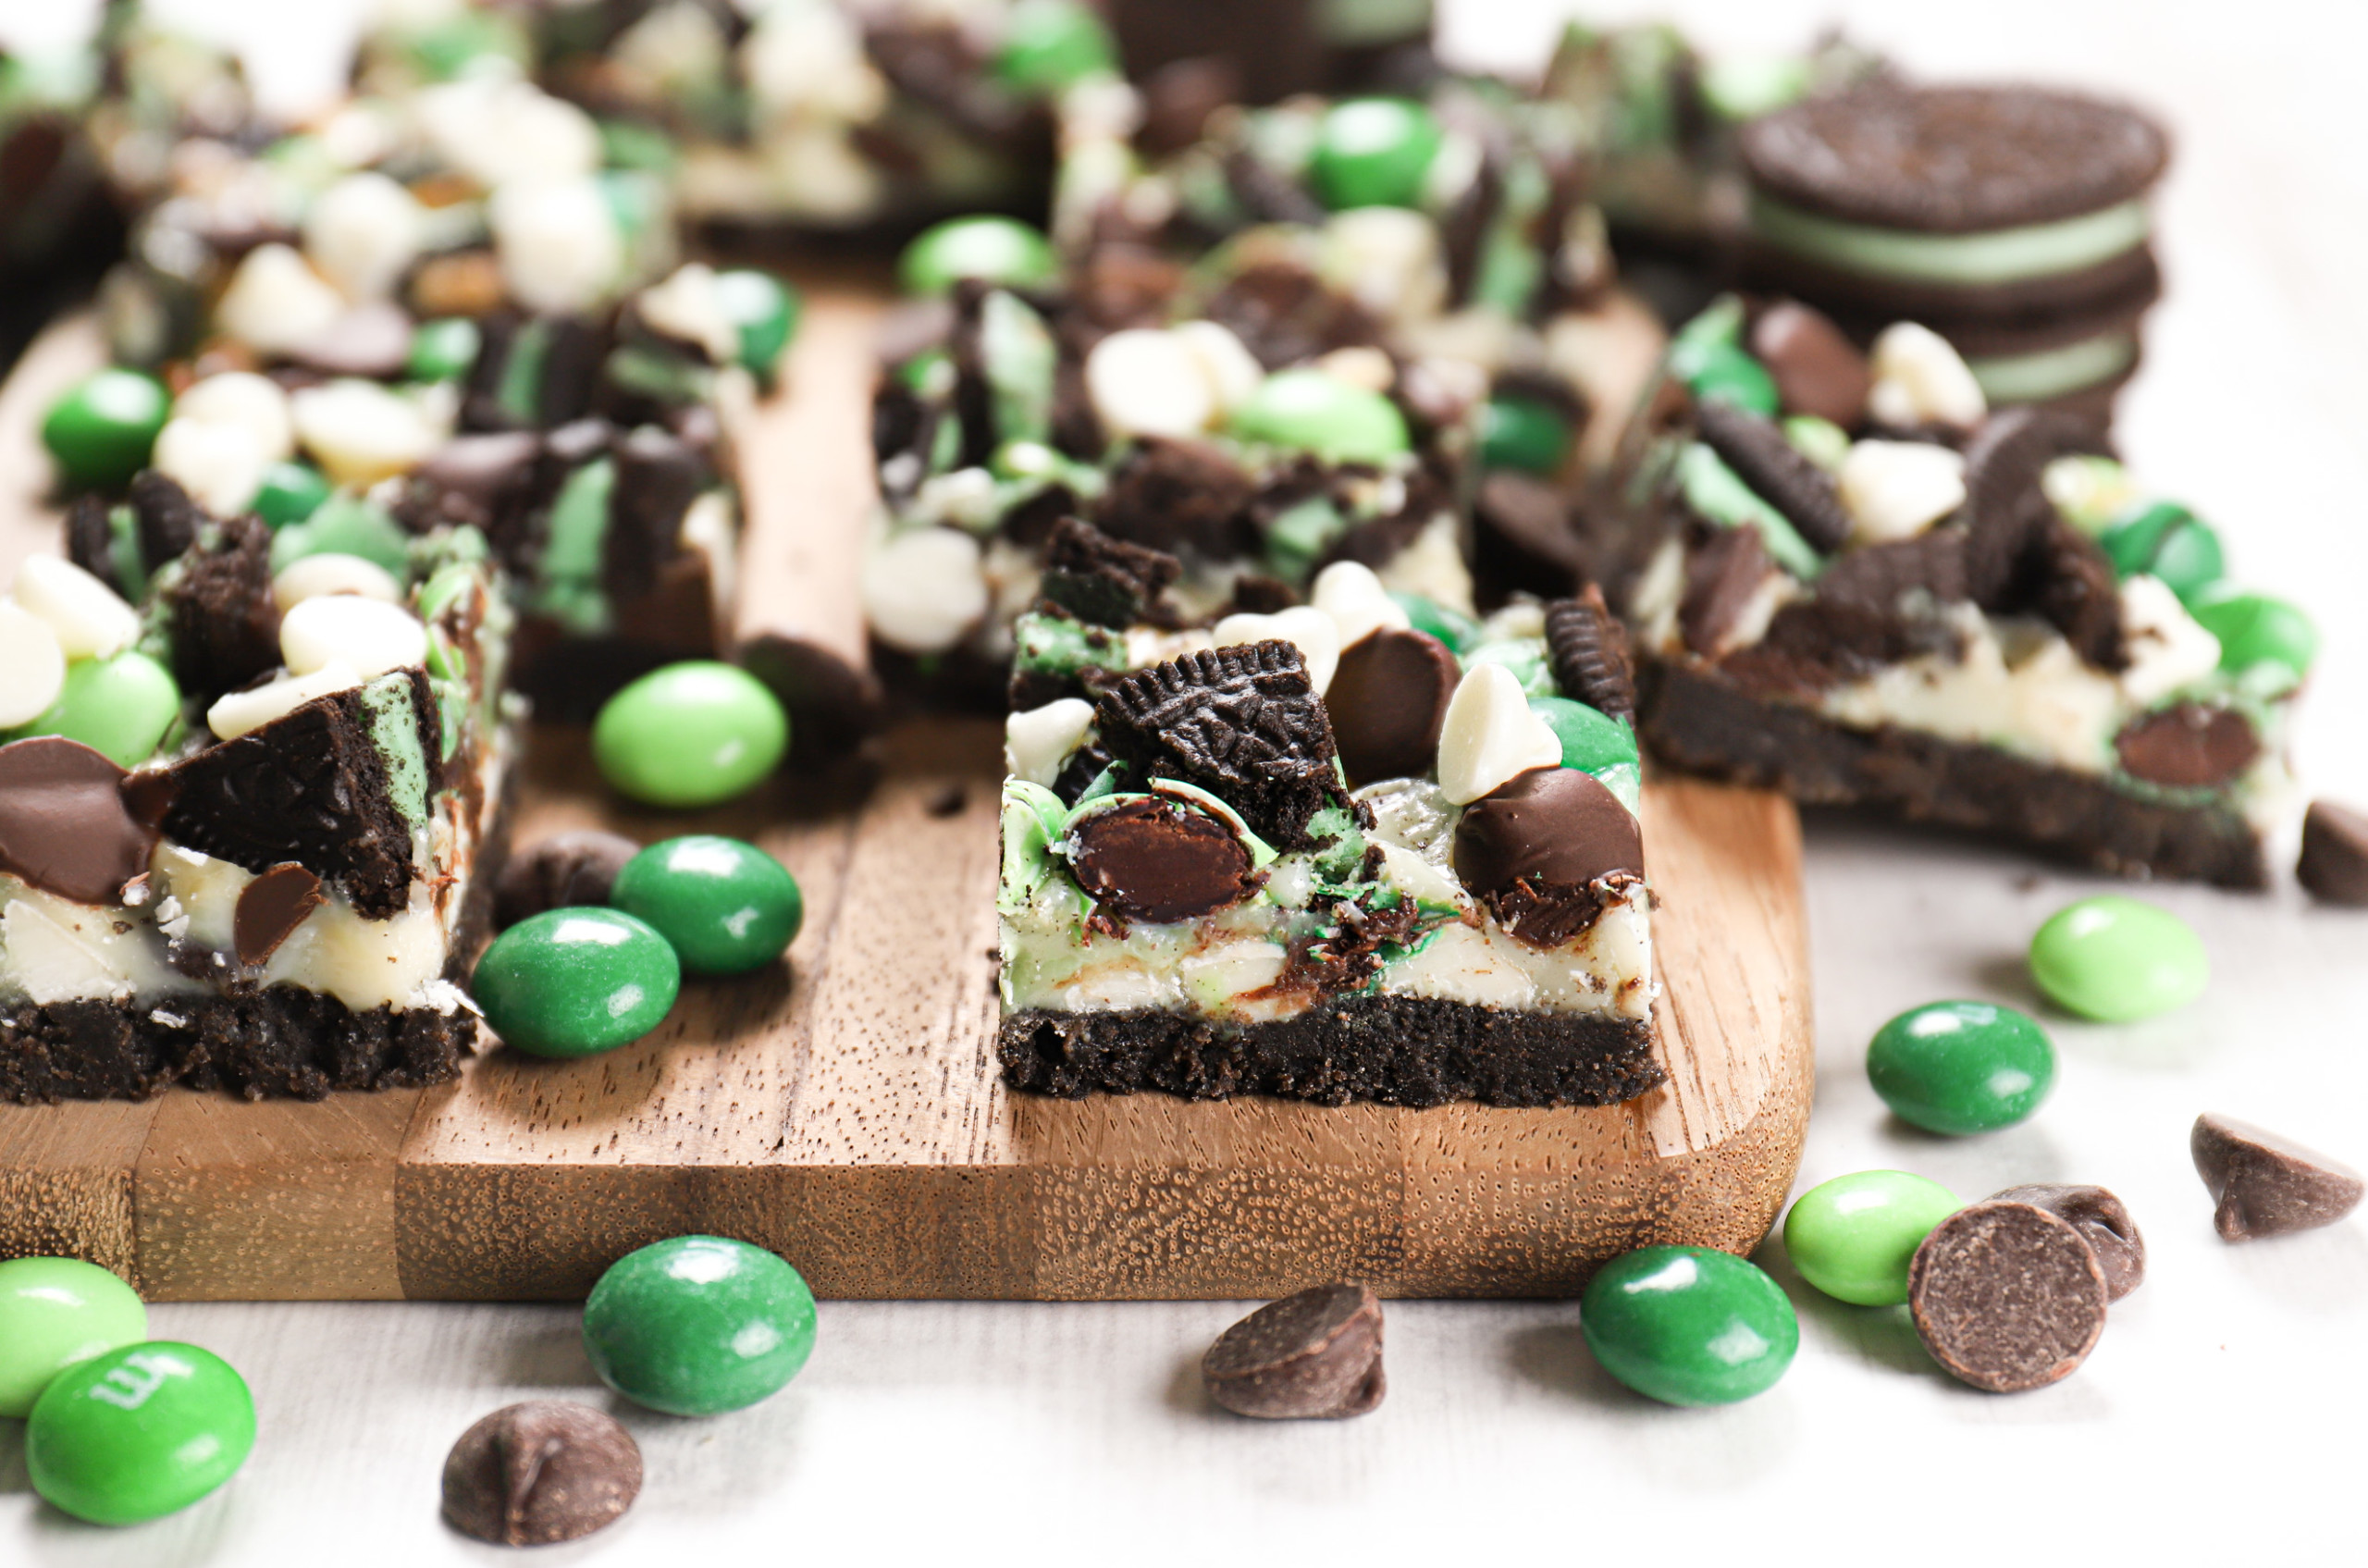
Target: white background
2221,1417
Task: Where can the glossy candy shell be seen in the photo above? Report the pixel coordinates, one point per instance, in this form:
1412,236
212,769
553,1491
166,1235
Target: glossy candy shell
692,733
1853,1236
1689,1325
726,907
55,1312
571,982
1961,1066
699,1325
2118,960
140,1432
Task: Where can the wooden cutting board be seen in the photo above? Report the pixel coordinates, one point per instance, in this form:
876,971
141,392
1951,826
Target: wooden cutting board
845,1109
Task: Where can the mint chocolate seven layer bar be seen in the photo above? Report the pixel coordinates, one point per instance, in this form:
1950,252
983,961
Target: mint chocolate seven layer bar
1323,854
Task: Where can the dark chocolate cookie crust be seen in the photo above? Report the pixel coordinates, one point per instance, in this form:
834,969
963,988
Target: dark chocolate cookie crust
1954,160
1704,724
1391,1050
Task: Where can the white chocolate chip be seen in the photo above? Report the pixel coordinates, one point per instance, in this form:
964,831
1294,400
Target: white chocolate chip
1896,489
220,465
32,667
242,711
808,61
1387,260
689,306
1490,735
90,619
1919,379
365,636
557,244
1148,382
242,398
329,574
361,432
1361,366
1231,370
362,232
2168,647
1349,593
499,130
924,589
1310,630
275,303
1036,743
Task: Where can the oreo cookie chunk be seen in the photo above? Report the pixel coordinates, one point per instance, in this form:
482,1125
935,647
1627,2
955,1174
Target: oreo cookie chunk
1103,580
224,621
1590,653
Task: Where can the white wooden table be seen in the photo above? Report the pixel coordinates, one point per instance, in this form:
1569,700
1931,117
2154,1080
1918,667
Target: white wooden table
2222,1413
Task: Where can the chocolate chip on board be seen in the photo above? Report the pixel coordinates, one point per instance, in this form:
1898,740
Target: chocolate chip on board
1817,370
1317,1354
2266,1185
2187,746
2007,1295
1156,859
1387,702
1544,851
2102,1222
544,1471
2334,865
1777,472
65,827
1589,650
563,872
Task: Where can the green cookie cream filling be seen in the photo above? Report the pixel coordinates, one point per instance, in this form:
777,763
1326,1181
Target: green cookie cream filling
1998,255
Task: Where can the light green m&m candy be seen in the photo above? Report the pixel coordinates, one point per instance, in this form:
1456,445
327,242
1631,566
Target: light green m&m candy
699,1325
1689,1325
575,981
119,707
1374,153
995,250
2116,960
1311,409
140,1432
444,349
726,906
1049,45
102,430
1853,1236
690,735
1961,1066
1592,740
55,1312
2254,629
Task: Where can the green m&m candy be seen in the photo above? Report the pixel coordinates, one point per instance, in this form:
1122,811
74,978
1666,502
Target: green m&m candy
2166,541
1689,1325
1450,626
1312,409
1529,434
291,492
2114,958
2256,629
1716,371
574,981
55,1312
690,735
1961,1066
1592,740
344,524
699,1325
1854,1236
763,311
726,906
997,250
1049,45
444,349
119,706
140,1432
1374,153
102,430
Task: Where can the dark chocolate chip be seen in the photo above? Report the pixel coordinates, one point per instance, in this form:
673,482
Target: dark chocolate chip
1241,721
2101,1221
2187,746
372,341
1722,573
1101,579
1545,851
1174,495
2005,507
1316,1354
270,908
64,826
2334,865
2266,1185
1589,649
1156,859
224,620
1817,370
1776,471
2007,1295
565,871
1387,700
1255,593
544,1471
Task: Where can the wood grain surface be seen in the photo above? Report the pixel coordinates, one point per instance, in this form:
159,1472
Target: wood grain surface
845,1108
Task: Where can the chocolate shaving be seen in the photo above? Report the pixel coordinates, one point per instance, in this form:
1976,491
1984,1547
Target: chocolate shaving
1589,650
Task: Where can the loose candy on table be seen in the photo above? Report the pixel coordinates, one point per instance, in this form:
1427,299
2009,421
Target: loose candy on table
572,983
2265,1185
1961,1066
1689,1325
540,1472
140,1432
699,1325
994,250
726,906
692,734
1854,1236
565,871
2007,1295
1315,1354
2333,862
2103,1221
2116,960
56,1313
102,430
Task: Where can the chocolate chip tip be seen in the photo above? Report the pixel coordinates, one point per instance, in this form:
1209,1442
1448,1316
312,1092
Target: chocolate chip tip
1315,1355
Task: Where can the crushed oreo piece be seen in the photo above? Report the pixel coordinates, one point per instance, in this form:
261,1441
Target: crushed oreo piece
1103,580
1387,702
2187,745
488,481
657,476
1817,370
2265,1185
90,544
64,826
2005,507
2073,587
1825,642
1255,593
270,908
1158,861
1285,315
1589,649
1076,775
565,871
1545,851
1877,577
1241,721
1776,471
1723,576
1266,194
2007,1295
2334,865
1315,1354
224,621
1172,496
538,1473
167,519
2103,1221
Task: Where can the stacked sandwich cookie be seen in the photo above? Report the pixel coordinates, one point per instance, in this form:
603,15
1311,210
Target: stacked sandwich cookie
1855,583
1325,853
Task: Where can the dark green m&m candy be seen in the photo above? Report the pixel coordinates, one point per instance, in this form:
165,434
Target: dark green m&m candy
1529,434
574,981
1374,153
1689,1325
139,1432
699,1325
2166,541
104,427
2256,629
726,906
1592,740
996,249
1961,1066
291,492
763,310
